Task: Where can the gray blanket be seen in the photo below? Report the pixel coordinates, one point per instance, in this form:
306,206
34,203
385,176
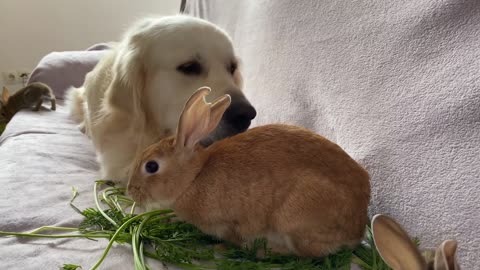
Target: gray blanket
395,83
42,156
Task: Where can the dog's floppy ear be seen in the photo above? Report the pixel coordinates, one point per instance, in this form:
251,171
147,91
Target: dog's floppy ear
130,72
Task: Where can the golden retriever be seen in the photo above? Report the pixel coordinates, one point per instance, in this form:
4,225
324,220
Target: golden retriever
135,94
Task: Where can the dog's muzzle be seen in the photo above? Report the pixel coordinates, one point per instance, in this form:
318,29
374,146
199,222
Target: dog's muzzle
236,119
240,113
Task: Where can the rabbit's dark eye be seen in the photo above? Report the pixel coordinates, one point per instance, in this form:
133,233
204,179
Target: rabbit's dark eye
151,166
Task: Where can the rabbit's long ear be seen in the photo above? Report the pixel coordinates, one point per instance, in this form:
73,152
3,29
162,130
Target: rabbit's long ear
395,246
194,119
446,256
217,109
5,95
199,118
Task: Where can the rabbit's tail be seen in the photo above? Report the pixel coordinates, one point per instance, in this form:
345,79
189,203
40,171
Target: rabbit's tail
74,102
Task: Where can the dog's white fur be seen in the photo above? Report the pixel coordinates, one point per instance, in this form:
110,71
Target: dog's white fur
135,93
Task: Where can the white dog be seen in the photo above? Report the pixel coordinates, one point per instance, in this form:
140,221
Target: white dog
135,94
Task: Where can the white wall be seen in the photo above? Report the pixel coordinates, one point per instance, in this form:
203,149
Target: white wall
30,29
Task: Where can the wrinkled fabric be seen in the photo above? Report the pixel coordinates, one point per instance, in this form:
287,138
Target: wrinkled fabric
395,83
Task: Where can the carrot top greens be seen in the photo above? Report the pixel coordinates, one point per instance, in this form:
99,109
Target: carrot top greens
156,235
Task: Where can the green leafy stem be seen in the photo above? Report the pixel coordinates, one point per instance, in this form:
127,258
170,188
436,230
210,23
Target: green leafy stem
156,235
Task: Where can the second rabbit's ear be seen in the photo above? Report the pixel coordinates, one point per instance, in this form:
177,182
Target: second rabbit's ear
5,95
395,246
199,118
446,256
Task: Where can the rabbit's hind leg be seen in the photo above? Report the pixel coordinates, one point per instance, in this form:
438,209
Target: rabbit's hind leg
280,243
314,244
275,242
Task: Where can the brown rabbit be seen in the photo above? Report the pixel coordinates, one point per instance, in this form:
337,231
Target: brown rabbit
298,190
400,253
30,96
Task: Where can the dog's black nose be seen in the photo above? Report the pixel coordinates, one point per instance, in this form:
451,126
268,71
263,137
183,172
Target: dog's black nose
236,119
240,111
240,114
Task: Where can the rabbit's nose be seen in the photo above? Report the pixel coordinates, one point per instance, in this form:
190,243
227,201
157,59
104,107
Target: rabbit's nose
133,190
138,196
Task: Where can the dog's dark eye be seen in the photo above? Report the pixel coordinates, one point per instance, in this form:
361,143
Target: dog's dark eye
190,68
151,166
232,68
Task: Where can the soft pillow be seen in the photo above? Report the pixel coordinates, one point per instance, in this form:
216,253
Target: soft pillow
62,70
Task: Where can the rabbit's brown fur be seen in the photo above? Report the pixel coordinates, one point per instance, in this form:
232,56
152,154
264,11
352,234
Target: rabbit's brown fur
285,183
31,96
